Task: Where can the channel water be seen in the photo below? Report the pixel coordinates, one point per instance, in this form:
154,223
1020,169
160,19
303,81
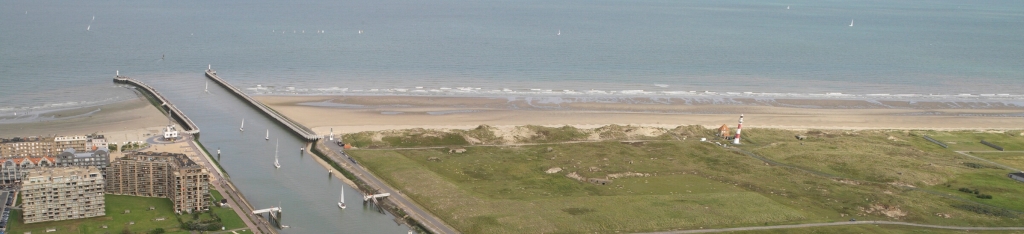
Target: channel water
307,194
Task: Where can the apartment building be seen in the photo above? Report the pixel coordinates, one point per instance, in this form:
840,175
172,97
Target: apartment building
161,174
62,193
28,147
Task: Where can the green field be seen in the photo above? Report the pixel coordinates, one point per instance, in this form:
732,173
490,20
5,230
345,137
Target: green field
1011,159
116,221
687,184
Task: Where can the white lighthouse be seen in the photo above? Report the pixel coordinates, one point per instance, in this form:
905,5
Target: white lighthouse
736,141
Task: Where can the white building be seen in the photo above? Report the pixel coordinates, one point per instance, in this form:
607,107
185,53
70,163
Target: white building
170,133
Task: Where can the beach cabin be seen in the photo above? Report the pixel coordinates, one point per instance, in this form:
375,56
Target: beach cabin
723,131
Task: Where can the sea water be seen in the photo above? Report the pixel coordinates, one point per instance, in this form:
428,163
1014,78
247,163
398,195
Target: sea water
573,47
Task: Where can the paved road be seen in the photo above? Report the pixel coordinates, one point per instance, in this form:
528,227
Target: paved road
806,225
426,218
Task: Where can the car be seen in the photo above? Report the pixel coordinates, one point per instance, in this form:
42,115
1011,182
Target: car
853,220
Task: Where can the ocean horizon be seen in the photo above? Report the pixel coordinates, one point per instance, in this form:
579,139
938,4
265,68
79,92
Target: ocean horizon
64,54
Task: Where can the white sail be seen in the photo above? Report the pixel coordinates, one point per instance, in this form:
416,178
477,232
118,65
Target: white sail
341,201
268,134
88,27
242,128
276,163
851,23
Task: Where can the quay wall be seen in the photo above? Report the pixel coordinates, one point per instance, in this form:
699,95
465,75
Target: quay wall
295,127
186,124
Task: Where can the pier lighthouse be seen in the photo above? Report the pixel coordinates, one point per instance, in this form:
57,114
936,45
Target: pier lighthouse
736,141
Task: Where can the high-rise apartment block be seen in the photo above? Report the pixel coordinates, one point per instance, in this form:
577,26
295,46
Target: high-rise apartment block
153,174
62,193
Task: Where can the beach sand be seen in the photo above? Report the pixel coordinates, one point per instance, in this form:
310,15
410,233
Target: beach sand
130,120
346,114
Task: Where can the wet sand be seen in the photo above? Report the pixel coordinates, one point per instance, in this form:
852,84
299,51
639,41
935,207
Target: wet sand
122,121
371,113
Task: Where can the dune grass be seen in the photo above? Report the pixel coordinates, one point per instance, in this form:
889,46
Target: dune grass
831,176
1011,159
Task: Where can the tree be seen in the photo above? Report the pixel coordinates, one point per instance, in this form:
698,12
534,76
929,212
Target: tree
157,231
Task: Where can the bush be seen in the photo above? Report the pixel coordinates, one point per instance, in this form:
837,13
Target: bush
157,231
984,196
985,210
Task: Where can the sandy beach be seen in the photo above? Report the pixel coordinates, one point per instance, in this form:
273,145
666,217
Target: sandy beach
372,113
122,121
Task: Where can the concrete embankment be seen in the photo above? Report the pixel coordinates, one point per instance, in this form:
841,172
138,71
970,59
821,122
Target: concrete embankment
186,124
296,128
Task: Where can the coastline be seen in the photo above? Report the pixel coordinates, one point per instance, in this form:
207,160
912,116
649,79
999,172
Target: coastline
128,120
347,114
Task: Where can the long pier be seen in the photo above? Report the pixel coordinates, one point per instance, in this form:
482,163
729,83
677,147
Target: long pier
186,123
296,128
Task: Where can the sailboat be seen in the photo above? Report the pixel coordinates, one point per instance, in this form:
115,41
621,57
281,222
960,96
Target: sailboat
559,33
851,23
242,128
207,90
88,27
341,203
268,134
276,164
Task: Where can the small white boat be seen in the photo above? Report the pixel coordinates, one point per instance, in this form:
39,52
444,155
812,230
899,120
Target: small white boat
341,202
851,23
268,134
242,128
88,27
207,90
559,33
276,163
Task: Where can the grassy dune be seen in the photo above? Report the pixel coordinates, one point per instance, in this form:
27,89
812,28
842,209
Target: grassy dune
687,184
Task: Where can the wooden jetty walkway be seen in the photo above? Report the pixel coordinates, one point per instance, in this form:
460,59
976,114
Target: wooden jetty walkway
296,128
186,123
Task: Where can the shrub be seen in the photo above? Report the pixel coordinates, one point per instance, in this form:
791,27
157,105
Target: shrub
984,196
157,231
985,210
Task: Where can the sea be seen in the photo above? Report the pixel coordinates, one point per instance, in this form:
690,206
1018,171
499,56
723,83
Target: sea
58,54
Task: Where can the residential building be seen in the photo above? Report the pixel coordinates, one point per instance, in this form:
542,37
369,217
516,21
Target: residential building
63,193
99,158
74,142
95,142
28,147
156,174
12,170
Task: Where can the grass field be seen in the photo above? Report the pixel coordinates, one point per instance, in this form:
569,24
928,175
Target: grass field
686,184
115,220
1011,159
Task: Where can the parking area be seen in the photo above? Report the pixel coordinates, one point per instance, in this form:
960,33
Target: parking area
5,206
